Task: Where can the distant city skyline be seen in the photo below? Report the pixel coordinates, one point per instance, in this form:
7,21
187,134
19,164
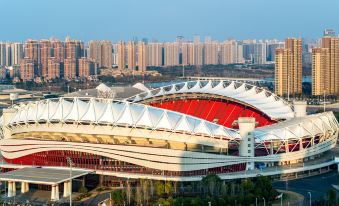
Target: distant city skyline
165,20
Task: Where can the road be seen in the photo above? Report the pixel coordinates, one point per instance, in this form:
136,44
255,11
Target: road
317,185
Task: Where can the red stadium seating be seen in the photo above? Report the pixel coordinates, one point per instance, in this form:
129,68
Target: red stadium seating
223,112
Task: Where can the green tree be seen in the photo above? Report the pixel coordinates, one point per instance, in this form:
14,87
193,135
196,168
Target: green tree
159,188
128,192
145,190
179,201
138,195
332,197
212,183
263,188
83,189
196,201
118,197
168,188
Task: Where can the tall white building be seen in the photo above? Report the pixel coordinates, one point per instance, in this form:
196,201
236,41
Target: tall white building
228,53
155,54
2,54
211,52
17,53
259,53
171,54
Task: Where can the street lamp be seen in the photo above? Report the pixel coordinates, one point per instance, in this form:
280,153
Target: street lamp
264,201
309,193
281,198
70,162
256,201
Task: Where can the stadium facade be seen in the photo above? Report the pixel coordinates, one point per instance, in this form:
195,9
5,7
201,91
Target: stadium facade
179,132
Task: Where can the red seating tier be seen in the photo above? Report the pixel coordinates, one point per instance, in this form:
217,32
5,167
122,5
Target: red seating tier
221,112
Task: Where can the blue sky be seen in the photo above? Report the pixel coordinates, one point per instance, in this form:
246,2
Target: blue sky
165,19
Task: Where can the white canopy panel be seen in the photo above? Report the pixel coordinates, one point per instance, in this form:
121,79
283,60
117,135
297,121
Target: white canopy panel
115,113
299,127
265,101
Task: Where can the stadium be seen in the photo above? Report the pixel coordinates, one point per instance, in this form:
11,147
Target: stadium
180,132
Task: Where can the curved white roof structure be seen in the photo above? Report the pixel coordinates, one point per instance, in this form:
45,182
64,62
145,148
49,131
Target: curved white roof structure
141,87
115,113
296,128
262,99
103,88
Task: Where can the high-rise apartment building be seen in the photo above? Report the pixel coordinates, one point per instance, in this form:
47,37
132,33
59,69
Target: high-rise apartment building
295,45
211,53
106,54
281,74
2,54
95,52
27,70
320,71
198,54
101,53
121,55
187,53
17,53
171,54
53,71
271,47
32,51
58,50
45,54
6,53
332,44
288,68
142,57
228,52
70,66
259,53
155,54
84,67
131,52
74,49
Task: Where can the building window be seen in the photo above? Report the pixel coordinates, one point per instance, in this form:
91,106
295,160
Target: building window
249,151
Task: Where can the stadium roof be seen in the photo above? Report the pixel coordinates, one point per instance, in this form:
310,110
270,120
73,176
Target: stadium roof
116,113
40,175
299,127
262,99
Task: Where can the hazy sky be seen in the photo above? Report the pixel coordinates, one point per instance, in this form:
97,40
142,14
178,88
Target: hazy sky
166,19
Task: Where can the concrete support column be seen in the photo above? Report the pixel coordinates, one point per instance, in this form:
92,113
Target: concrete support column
10,189
23,187
53,193
312,141
13,188
57,192
66,189
27,186
272,148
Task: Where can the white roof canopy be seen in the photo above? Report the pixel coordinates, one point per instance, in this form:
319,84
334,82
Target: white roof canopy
300,127
265,101
115,113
